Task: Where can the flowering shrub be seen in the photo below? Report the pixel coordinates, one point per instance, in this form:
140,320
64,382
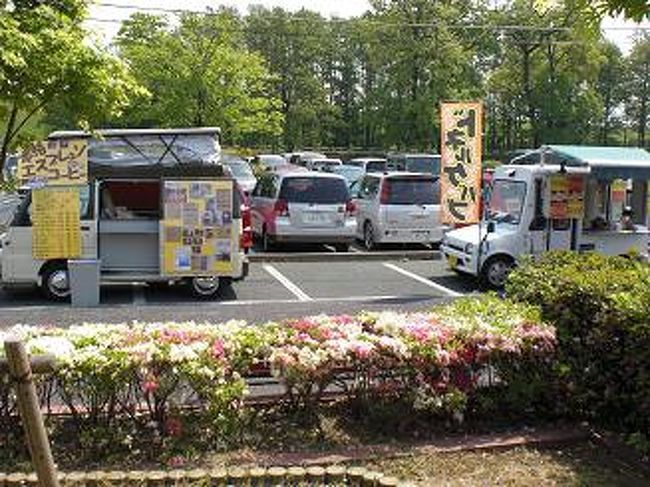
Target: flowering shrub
432,359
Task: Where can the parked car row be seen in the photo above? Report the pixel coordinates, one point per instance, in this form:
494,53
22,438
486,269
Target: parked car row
309,197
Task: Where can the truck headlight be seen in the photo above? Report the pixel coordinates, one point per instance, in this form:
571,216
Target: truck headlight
469,248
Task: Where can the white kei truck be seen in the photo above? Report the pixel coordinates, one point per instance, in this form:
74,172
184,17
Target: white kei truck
123,210
521,214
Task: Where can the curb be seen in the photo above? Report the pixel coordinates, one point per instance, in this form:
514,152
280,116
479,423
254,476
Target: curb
346,256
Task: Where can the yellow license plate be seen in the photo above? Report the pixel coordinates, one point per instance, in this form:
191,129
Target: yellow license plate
452,260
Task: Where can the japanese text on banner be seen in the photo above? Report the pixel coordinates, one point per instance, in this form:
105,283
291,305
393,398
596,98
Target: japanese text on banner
460,180
55,162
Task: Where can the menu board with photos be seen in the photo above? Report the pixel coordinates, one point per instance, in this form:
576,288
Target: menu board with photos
197,234
56,223
567,196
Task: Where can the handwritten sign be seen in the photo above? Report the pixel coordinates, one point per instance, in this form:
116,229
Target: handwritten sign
55,162
567,197
460,179
56,223
197,235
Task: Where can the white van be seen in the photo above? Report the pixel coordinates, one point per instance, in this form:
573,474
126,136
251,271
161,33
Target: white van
122,211
398,207
518,220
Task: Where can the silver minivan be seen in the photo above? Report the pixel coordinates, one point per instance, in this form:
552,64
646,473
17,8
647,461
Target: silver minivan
398,207
305,207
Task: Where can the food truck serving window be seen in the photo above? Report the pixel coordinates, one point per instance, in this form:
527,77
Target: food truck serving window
125,200
507,201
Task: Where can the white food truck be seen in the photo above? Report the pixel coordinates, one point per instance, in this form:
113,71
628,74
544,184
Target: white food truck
156,207
579,198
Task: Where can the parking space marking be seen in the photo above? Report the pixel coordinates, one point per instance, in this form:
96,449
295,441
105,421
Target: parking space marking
139,298
423,280
293,289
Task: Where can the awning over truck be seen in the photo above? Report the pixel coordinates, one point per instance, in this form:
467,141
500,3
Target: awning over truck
137,147
605,162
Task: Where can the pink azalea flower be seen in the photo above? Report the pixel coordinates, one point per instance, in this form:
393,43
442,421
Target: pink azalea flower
150,385
218,350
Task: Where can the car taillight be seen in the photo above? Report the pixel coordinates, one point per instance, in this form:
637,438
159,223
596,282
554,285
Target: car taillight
350,208
246,237
385,192
281,208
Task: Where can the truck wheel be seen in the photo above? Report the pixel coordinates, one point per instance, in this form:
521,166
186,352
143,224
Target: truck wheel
55,282
204,287
495,271
369,237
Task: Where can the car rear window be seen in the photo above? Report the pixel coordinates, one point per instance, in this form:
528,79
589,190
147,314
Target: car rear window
412,191
314,190
376,166
429,165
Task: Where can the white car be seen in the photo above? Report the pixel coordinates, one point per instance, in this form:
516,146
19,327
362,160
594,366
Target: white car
241,170
398,207
369,164
322,164
305,207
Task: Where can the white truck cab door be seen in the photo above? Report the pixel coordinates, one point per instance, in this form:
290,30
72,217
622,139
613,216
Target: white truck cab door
18,263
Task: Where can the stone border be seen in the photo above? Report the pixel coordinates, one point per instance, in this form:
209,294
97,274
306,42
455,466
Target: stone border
236,476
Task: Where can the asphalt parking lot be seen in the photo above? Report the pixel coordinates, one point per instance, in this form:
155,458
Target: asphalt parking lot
273,290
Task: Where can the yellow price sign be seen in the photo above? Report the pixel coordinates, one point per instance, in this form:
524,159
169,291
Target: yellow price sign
56,223
55,162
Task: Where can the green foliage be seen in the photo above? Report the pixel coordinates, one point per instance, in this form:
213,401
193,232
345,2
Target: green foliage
199,75
601,309
46,62
633,9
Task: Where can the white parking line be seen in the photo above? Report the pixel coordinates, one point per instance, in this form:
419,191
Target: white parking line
423,280
293,289
138,295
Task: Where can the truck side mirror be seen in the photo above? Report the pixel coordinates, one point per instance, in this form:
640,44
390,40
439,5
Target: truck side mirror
490,227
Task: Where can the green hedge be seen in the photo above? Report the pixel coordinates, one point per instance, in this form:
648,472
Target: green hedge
600,307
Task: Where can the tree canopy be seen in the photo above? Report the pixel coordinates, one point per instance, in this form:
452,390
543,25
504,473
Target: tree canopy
287,80
46,61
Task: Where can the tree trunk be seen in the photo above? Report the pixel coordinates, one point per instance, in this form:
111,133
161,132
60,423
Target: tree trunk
643,116
6,139
528,93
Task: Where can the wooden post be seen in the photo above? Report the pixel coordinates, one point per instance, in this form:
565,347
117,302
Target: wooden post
30,412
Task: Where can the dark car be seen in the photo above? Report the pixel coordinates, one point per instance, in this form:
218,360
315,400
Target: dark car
418,163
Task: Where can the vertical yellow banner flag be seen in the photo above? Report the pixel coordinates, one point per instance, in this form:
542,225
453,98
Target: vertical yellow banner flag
461,151
56,223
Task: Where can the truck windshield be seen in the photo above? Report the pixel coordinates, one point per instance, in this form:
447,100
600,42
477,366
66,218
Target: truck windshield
507,201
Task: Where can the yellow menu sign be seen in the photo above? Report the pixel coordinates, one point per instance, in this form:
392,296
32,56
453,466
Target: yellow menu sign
55,162
55,223
567,197
197,236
